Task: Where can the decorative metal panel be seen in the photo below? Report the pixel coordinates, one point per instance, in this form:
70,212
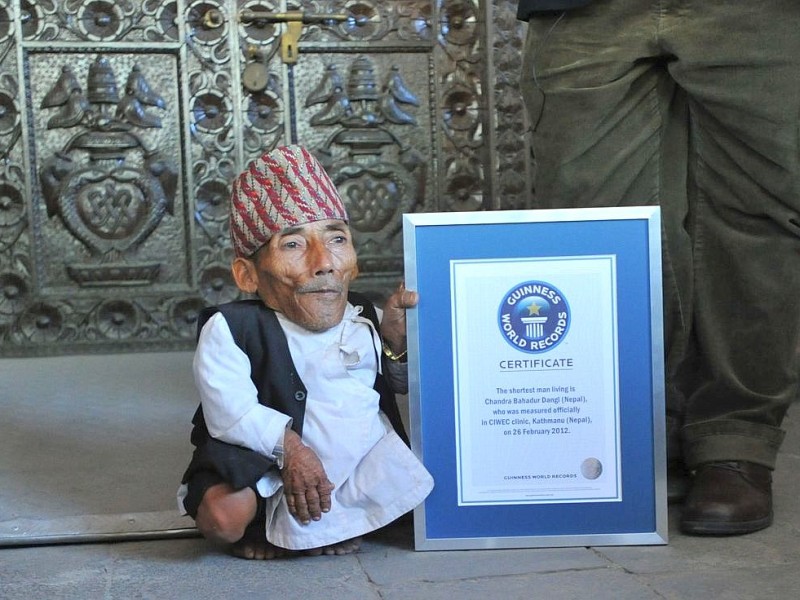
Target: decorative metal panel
122,124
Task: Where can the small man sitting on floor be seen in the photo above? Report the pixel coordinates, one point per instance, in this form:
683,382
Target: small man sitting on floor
299,442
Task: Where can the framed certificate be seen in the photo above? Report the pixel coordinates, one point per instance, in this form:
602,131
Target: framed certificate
536,377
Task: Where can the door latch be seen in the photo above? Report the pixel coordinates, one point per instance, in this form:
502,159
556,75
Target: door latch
294,20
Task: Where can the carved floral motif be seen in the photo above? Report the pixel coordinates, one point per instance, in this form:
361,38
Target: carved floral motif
109,205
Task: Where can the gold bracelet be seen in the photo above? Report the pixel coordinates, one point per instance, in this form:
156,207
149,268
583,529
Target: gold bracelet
391,355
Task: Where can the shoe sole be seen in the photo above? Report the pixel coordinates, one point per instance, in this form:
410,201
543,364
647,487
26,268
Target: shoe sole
725,528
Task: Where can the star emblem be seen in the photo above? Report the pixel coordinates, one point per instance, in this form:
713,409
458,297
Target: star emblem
533,309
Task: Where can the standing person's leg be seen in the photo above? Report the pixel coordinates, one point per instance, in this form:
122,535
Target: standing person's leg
608,128
740,65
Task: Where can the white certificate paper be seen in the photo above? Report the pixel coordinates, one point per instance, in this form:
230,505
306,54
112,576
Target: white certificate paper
536,380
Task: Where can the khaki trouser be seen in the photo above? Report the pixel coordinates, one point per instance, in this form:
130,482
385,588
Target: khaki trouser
693,105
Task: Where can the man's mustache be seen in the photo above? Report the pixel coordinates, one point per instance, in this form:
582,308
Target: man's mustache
324,284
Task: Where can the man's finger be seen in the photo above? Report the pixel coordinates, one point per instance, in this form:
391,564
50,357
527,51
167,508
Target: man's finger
325,501
408,299
313,503
300,507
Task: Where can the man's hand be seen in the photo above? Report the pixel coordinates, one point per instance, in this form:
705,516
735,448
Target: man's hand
305,483
393,324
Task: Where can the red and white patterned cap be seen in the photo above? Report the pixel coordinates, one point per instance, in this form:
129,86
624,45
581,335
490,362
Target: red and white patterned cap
283,188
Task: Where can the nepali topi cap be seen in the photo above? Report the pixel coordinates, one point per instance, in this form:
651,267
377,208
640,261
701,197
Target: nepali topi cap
283,188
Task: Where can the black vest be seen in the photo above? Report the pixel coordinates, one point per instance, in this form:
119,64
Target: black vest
258,333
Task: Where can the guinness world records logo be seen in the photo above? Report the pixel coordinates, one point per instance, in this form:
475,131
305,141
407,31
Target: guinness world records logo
534,317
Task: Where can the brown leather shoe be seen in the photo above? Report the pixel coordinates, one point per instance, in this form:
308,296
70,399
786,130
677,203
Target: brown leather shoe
728,498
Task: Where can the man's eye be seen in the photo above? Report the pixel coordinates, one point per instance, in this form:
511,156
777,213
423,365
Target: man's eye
291,245
339,239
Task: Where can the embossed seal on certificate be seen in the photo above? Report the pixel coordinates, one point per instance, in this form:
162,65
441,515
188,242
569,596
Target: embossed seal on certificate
534,317
591,468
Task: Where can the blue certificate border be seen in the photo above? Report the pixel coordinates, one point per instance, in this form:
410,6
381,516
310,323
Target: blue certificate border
633,236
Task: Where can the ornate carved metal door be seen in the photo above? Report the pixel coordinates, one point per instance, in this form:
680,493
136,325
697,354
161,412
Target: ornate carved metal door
122,123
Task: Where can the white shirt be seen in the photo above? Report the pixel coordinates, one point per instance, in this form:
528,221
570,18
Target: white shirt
377,477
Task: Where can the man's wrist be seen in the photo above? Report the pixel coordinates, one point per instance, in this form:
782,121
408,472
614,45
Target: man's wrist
279,452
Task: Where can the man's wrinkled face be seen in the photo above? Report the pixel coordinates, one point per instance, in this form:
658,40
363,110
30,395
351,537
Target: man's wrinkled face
303,272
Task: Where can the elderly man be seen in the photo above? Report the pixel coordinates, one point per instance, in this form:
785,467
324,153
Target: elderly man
297,445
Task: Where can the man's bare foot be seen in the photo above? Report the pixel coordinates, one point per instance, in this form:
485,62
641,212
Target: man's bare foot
258,550
265,551
346,547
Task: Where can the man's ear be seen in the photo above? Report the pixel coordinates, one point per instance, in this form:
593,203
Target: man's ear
244,275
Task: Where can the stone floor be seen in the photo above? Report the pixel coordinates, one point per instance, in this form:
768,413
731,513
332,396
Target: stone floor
761,565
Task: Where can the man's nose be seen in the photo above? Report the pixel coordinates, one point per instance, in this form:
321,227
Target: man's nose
320,258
